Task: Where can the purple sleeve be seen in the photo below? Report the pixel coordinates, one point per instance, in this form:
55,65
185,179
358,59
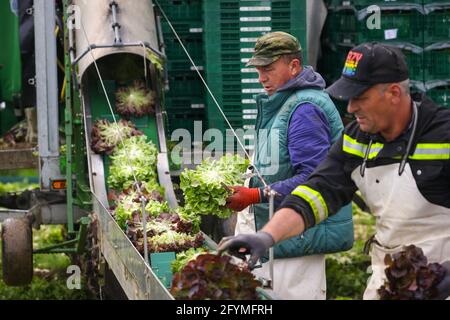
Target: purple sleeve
309,140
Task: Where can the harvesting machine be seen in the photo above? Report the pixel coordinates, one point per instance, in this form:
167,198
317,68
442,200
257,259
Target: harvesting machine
105,44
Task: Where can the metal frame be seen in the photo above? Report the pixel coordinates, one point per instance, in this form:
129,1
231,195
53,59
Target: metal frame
46,93
163,160
136,278
119,45
42,211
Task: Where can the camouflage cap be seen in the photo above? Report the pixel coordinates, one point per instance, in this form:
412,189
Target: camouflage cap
270,47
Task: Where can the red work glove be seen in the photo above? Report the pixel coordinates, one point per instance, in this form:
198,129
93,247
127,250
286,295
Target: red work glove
242,197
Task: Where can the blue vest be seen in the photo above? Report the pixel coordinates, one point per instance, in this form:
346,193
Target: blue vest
274,114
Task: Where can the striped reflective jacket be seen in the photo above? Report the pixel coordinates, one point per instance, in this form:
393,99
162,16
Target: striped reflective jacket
330,186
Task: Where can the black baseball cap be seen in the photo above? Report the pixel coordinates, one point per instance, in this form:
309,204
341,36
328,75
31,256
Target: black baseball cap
367,65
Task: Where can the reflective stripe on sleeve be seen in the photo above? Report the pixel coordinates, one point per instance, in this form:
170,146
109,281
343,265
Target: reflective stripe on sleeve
315,200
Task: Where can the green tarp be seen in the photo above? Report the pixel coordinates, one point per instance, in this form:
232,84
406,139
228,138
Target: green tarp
10,79
10,72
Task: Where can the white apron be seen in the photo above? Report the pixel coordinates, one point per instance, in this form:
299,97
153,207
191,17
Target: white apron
403,217
300,278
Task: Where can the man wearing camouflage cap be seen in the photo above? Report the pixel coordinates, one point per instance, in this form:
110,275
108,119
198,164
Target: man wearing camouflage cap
301,122
397,154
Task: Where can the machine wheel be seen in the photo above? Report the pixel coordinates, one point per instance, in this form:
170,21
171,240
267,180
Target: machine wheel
17,252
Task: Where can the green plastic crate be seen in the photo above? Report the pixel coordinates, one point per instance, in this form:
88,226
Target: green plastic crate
181,104
404,26
182,9
440,95
184,65
437,64
185,84
338,5
192,42
435,2
220,123
185,120
230,32
437,26
345,28
415,63
182,27
162,266
332,62
341,28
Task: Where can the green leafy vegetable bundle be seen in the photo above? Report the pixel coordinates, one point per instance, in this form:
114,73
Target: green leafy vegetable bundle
129,203
184,257
167,232
137,156
205,188
135,100
165,229
106,135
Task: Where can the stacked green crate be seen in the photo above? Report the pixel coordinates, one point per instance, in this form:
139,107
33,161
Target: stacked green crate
231,30
440,93
185,100
350,23
421,28
437,50
358,5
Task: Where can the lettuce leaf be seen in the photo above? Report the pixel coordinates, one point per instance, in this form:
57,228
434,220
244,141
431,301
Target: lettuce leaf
205,188
135,155
184,257
106,135
135,100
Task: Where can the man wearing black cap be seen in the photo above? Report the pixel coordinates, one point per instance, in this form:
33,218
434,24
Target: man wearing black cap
397,153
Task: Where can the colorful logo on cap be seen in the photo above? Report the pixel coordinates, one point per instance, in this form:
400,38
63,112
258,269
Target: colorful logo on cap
351,64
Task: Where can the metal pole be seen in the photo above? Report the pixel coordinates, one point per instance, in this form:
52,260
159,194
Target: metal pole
68,124
271,259
115,25
46,92
144,225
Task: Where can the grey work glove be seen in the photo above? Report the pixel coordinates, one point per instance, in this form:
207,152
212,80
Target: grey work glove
241,245
443,288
